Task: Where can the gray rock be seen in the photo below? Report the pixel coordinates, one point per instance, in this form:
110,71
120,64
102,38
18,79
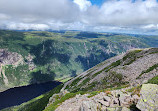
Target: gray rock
115,102
88,106
114,109
125,109
149,98
105,103
106,98
103,108
135,98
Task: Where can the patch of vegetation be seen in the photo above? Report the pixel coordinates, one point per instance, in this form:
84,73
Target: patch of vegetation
131,57
73,87
131,53
112,80
154,80
108,68
99,72
114,64
17,75
135,90
53,106
65,79
58,101
154,52
90,87
93,93
74,83
148,70
84,82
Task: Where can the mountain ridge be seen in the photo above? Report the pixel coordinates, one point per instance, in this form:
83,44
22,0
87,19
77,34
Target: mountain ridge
123,67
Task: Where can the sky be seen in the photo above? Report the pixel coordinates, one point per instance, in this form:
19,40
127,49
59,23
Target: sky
125,16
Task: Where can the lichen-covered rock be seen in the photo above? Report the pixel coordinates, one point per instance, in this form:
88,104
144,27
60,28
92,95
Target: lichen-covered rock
149,98
117,109
88,106
114,109
125,109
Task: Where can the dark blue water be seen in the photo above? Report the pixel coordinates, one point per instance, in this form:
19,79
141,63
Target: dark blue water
18,95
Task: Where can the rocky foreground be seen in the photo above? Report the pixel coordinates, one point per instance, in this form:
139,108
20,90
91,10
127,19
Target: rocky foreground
145,99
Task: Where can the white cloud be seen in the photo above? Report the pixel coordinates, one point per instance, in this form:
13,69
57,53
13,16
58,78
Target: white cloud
40,10
150,26
79,15
4,16
23,26
83,4
125,13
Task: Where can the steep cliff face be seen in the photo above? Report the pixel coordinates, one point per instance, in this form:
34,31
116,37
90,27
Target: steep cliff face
13,69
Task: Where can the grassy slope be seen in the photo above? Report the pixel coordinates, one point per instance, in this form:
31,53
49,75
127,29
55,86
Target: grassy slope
154,80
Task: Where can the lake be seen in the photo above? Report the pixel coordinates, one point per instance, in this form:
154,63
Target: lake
18,95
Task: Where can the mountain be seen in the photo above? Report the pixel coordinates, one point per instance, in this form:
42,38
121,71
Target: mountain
133,68
38,56
119,84
127,82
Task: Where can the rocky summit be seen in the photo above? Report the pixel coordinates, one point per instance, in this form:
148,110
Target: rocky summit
116,100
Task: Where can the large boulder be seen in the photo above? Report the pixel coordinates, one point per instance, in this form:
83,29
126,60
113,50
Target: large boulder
148,98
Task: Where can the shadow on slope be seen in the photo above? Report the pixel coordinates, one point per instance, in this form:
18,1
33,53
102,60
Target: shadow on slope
46,51
39,77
